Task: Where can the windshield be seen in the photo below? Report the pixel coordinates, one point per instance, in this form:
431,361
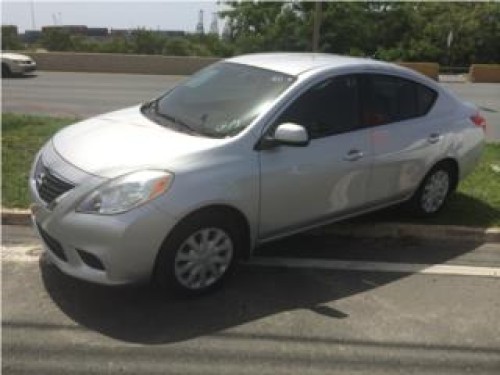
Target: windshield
222,99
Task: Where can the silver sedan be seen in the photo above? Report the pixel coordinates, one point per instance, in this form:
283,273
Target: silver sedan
247,150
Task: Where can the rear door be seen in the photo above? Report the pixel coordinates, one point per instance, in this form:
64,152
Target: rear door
405,140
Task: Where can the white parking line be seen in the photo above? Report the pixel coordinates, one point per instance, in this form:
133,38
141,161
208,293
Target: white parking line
31,253
348,265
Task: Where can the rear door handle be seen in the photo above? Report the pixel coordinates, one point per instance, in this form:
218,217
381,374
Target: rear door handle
353,155
434,138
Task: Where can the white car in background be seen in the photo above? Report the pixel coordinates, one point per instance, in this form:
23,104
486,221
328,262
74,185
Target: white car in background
15,63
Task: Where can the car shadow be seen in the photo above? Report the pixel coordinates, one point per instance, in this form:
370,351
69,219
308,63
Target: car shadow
461,209
142,314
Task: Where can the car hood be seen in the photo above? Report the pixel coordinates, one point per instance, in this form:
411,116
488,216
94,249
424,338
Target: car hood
122,141
15,56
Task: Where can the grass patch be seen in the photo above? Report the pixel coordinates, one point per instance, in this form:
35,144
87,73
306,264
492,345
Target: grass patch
476,202
22,137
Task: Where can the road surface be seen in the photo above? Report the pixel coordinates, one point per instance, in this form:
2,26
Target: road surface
288,319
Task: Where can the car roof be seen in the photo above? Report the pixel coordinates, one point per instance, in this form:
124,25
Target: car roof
298,63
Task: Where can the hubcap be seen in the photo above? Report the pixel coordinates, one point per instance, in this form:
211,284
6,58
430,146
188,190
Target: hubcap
203,258
435,191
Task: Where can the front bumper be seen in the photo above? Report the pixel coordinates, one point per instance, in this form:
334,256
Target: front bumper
111,250
29,68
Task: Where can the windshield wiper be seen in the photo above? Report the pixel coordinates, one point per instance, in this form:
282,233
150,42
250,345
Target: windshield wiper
152,107
176,121
148,105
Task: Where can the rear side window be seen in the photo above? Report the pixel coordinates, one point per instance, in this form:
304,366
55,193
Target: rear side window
390,99
426,99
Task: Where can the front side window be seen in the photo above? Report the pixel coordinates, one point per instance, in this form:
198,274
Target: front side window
221,100
328,108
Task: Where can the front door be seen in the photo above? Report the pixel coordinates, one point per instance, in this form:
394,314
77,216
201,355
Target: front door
302,186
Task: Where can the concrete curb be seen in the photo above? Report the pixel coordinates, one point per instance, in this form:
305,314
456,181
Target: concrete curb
15,217
371,230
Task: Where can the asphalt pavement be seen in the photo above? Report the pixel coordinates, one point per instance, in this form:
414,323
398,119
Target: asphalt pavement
87,94
296,318
80,94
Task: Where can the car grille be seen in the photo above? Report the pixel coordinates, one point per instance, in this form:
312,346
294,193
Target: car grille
49,186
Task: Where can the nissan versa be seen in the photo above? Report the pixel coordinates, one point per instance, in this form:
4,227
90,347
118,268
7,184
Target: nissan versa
245,151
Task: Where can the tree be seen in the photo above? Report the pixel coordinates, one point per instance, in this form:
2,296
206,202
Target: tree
387,30
267,26
147,42
10,39
55,39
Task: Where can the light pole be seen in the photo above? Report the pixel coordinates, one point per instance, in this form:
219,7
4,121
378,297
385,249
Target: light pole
449,41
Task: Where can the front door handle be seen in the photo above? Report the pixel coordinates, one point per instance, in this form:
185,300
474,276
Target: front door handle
353,155
434,138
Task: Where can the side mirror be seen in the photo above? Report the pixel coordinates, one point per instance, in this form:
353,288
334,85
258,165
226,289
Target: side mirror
291,134
288,134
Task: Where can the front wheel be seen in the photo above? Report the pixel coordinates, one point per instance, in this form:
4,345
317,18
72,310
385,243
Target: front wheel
199,254
431,196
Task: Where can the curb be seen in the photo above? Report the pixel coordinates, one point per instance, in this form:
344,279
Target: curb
15,217
370,230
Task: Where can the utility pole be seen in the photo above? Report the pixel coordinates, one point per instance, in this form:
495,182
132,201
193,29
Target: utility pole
317,25
199,26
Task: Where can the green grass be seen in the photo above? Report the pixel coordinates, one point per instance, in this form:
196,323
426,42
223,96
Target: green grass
22,137
476,202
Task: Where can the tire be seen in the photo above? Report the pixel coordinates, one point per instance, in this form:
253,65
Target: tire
431,196
185,270
6,71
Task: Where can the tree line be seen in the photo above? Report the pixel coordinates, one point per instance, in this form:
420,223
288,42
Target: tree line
455,34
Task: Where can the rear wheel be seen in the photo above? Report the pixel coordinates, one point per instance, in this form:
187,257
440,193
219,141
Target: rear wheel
434,190
199,254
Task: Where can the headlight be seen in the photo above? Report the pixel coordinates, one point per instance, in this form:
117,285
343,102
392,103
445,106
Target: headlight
126,192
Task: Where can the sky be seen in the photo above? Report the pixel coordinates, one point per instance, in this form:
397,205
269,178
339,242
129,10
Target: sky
152,14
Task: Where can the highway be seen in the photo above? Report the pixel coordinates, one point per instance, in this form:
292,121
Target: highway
86,94
80,95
